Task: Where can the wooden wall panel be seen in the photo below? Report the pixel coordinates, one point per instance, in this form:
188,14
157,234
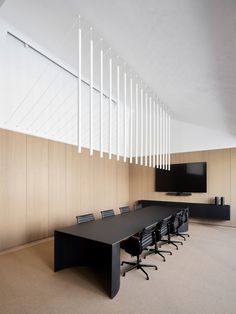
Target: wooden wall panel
12,189
57,213
45,184
122,183
37,188
73,199
221,169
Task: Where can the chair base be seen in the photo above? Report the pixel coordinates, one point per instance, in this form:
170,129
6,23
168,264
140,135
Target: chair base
137,265
169,241
157,251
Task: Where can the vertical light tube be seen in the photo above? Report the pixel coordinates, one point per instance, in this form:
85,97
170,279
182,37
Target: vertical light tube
118,113
136,123
131,121
150,131
141,126
101,103
110,104
160,136
169,142
125,115
146,127
91,94
166,117
154,135
79,89
163,140
157,135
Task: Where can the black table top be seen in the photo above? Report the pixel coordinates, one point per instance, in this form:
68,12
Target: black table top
118,228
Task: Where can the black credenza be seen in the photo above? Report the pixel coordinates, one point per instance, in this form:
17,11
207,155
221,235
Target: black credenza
196,210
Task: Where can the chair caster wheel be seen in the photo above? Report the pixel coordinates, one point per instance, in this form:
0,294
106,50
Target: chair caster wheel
147,278
170,253
164,260
122,264
182,244
156,268
123,275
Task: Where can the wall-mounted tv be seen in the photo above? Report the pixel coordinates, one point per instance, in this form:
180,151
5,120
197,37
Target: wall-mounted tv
187,177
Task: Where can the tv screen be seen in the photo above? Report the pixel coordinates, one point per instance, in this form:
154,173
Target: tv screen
188,177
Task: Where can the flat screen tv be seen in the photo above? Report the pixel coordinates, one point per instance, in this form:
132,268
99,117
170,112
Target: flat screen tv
188,177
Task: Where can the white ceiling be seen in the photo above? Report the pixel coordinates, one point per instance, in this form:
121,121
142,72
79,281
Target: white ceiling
185,50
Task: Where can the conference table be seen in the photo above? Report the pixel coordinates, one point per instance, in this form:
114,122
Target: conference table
97,243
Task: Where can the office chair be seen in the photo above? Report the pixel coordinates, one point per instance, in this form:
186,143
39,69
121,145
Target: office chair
124,209
175,223
184,219
167,232
85,218
138,206
107,213
162,229
135,246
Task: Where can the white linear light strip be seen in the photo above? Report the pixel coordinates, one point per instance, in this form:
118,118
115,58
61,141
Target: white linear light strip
101,103
157,134
125,122
141,126
91,95
169,142
146,127
136,123
131,120
110,104
150,131
160,136
154,135
79,89
166,140
118,112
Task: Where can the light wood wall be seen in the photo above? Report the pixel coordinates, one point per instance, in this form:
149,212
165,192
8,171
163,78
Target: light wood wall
221,181
45,184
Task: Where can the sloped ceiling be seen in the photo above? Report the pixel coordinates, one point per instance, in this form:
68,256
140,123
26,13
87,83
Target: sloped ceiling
185,50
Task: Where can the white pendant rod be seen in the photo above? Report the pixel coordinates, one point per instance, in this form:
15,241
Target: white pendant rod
150,131
160,136
131,121
125,117
79,90
110,105
154,135
118,113
166,117
101,103
146,127
169,142
141,126
136,123
91,96
164,139
157,134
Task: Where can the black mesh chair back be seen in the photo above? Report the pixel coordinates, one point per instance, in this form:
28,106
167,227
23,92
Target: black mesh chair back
107,213
84,218
163,227
148,237
185,215
175,222
138,206
124,209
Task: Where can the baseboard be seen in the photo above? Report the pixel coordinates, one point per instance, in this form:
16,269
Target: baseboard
24,246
